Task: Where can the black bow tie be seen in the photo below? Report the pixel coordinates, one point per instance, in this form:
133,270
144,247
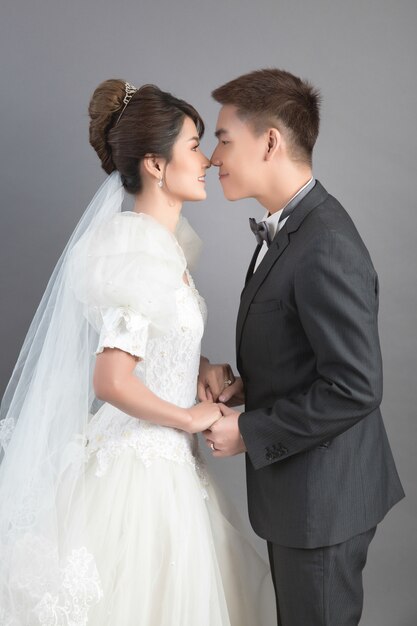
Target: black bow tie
260,231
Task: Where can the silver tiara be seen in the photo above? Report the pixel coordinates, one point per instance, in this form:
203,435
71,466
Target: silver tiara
130,90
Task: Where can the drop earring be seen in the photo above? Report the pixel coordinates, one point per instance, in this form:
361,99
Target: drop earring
160,183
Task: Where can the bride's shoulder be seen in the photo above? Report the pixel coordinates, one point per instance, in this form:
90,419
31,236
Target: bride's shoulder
130,232
142,234
129,261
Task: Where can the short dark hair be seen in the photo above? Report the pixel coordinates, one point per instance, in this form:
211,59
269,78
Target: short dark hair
150,124
276,98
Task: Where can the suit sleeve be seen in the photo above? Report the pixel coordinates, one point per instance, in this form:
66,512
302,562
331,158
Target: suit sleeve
336,295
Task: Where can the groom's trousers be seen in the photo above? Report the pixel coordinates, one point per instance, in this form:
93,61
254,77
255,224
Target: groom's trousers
320,586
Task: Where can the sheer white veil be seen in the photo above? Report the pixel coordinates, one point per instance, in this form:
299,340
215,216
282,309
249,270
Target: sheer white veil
47,575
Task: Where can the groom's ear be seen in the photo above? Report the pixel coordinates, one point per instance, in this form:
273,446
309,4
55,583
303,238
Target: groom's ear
273,143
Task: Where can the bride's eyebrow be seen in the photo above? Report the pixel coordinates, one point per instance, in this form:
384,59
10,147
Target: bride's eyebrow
194,139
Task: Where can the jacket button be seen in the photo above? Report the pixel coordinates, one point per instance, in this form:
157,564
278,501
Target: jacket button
279,448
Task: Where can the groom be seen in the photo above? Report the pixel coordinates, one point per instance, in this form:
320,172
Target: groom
320,472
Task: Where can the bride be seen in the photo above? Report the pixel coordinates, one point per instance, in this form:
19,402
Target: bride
107,513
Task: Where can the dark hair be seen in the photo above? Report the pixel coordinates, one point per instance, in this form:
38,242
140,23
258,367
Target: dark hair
149,125
276,98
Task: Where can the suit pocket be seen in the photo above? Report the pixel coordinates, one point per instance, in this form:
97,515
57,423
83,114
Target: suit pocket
265,307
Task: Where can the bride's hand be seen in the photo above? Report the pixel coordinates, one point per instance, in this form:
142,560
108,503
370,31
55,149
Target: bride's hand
234,394
213,378
203,415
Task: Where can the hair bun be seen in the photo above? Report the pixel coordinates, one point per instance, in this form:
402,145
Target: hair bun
106,100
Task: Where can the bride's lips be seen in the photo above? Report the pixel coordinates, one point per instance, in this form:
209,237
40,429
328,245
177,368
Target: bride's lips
202,179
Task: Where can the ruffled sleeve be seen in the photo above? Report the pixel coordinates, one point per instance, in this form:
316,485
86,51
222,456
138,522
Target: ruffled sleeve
125,329
126,274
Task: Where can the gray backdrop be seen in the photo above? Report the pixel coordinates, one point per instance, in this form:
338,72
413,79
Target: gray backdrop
362,56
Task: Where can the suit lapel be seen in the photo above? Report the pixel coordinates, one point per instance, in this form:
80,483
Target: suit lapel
252,263
255,280
281,241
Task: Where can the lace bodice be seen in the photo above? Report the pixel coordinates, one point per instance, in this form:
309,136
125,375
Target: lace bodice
168,366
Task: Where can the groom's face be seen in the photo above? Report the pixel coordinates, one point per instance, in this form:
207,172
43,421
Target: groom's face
239,155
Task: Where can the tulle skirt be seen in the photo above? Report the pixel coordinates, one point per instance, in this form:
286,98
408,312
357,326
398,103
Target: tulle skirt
166,554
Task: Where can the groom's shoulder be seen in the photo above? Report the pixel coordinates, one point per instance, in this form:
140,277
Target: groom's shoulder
331,224
330,215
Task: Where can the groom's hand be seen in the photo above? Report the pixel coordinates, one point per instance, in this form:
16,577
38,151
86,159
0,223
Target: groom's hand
223,437
213,379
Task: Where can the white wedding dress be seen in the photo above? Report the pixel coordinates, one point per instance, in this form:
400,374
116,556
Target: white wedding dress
165,553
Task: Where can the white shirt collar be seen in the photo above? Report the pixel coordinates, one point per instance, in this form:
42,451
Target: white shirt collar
273,219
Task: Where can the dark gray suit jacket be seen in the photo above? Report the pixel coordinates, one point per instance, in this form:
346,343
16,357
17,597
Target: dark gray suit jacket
319,466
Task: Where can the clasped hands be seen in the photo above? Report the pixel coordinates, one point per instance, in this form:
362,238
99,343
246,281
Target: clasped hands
219,389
